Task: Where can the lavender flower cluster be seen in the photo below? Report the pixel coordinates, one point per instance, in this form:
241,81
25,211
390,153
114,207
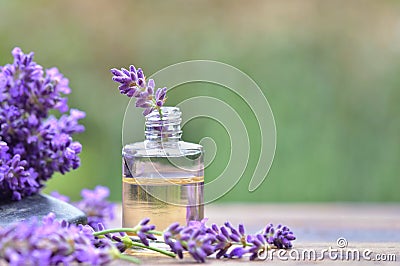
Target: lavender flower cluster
199,240
225,241
34,144
94,204
122,241
133,84
51,242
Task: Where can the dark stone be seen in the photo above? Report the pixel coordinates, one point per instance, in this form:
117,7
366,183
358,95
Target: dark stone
39,205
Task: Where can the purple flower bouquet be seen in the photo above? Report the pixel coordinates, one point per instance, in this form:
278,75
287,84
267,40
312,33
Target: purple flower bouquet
34,144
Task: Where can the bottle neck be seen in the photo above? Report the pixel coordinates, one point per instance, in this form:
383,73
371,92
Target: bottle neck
164,127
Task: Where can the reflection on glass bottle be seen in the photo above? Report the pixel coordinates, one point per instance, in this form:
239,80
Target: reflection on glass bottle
163,177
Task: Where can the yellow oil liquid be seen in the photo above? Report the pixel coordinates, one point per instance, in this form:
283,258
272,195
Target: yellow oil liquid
164,200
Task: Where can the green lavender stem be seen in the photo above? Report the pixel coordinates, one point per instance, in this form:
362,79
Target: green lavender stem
162,251
126,230
133,243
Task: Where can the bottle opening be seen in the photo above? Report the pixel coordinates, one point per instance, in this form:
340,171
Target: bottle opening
164,125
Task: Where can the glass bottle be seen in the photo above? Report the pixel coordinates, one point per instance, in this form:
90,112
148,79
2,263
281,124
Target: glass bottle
163,177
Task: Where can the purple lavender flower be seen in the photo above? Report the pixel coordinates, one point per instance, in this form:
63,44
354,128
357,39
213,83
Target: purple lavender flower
173,238
13,176
226,239
201,225
133,84
38,145
259,245
51,243
121,240
239,236
280,237
143,231
160,96
196,240
95,205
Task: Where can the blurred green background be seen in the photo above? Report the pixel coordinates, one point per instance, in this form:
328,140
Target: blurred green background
330,71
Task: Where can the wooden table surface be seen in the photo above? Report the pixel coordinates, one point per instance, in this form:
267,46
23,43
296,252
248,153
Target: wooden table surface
373,229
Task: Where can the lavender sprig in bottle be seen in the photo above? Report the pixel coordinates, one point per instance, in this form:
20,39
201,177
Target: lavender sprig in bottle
163,177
